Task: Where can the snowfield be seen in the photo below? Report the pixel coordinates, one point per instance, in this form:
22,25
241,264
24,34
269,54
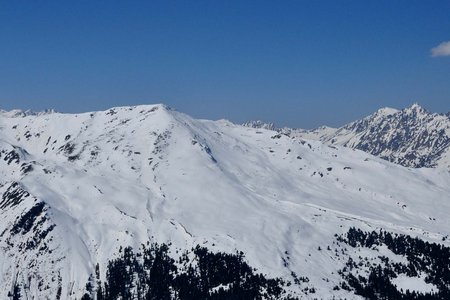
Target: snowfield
97,181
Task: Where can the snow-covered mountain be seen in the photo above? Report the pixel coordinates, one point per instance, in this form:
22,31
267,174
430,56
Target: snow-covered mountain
77,188
412,137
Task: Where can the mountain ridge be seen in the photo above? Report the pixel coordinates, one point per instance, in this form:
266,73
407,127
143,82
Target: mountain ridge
412,137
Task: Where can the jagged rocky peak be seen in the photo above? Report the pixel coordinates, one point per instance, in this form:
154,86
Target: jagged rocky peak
415,107
259,124
416,111
387,113
412,137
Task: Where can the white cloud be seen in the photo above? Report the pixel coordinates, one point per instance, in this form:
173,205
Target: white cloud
443,49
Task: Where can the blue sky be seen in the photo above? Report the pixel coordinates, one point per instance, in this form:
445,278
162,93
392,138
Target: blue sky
295,63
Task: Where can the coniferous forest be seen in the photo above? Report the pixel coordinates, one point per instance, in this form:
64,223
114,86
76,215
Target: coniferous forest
423,257
197,274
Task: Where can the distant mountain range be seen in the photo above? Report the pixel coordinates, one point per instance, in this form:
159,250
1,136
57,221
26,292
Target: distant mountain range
411,137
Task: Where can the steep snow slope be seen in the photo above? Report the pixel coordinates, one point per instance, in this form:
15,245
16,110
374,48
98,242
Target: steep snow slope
412,137
77,187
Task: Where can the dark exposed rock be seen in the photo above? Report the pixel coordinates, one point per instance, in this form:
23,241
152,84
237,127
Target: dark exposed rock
13,196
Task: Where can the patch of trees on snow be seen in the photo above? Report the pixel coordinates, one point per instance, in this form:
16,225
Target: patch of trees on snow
197,274
422,257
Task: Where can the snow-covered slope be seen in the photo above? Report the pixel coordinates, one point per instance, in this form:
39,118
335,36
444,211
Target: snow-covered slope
412,137
76,187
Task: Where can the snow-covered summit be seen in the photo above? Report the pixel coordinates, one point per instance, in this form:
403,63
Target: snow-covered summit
386,111
16,113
